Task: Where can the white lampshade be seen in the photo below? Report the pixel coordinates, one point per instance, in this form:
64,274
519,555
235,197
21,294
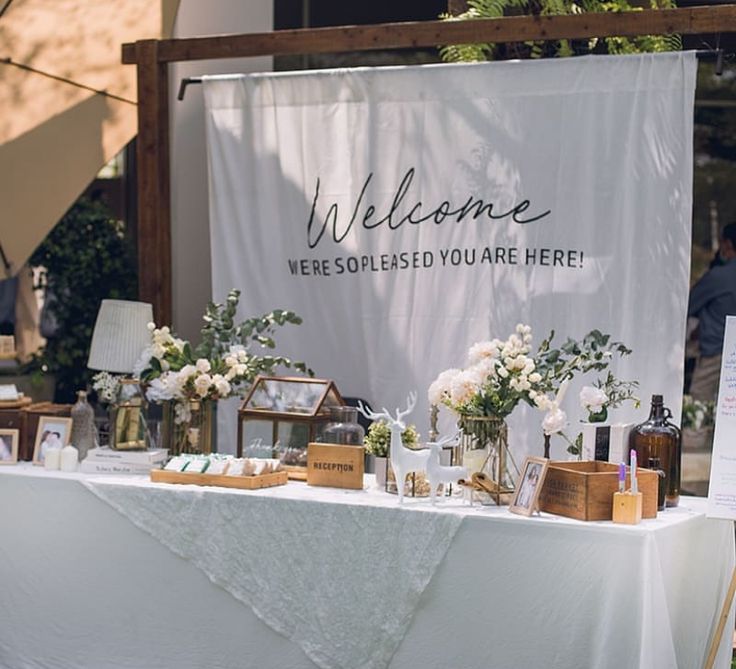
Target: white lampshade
121,333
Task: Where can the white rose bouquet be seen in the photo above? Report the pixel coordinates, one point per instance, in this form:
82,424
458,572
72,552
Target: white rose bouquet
222,365
499,375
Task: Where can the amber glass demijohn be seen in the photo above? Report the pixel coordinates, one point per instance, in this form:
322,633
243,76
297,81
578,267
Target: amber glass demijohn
658,438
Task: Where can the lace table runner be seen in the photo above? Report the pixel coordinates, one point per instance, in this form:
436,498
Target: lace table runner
341,580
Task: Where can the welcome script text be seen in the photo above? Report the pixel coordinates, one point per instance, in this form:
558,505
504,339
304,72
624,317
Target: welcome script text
473,207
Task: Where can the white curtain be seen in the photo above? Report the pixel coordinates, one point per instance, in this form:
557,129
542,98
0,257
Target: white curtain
406,213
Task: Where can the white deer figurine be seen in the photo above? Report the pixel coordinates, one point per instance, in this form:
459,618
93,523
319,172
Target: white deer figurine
438,473
403,460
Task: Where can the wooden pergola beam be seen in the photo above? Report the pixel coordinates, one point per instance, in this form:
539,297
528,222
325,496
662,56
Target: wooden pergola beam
693,20
152,58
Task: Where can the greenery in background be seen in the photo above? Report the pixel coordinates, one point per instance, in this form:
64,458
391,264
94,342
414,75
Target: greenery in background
85,259
697,414
378,438
484,9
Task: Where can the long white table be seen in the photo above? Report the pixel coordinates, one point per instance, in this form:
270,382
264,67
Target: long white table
83,586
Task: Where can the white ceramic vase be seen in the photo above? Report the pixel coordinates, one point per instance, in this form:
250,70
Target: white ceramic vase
381,465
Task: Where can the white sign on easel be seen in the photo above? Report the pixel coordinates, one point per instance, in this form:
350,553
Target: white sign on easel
722,488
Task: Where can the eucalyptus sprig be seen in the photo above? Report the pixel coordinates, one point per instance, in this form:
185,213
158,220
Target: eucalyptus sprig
594,352
225,362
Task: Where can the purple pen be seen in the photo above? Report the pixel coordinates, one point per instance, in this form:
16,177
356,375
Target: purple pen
621,477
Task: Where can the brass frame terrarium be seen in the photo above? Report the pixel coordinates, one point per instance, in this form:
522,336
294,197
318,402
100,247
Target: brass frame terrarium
281,415
128,430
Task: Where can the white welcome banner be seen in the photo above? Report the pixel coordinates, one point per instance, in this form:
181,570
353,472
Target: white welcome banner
406,213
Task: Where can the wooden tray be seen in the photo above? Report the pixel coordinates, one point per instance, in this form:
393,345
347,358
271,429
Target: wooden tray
245,482
16,404
295,472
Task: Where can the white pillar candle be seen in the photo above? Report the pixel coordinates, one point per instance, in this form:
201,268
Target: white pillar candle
69,459
52,460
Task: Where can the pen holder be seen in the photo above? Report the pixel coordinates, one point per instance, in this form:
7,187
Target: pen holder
627,507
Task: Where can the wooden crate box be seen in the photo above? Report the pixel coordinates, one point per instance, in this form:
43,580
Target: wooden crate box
584,490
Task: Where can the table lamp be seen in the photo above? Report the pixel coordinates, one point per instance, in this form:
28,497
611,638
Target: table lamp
119,338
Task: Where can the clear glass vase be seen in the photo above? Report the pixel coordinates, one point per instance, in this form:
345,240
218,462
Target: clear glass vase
484,451
189,427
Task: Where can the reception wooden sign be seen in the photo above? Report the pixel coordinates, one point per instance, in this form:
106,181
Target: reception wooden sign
335,465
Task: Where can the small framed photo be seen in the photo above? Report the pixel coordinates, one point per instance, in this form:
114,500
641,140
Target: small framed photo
529,486
52,432
9,446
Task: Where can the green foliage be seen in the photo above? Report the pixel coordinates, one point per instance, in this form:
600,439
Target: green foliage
484,9
593,352
223,363
86,259
220,333
378,439
574,447
697,414
618,391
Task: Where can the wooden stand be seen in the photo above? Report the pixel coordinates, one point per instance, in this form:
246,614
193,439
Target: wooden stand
243,482
725,610
627,507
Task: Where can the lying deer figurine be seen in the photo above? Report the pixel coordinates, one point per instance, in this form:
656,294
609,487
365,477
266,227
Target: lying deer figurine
438,473
403,460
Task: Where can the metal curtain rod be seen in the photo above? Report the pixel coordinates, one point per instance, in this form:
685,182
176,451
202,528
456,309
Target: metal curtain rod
701,54
184,83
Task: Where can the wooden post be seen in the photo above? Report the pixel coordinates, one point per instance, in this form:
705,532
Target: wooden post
725,610
154,201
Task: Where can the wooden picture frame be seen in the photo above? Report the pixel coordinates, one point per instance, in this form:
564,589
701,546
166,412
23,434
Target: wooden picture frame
52,431
9,446
529,485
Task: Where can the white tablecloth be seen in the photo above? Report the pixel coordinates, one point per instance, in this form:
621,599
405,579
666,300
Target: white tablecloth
82,586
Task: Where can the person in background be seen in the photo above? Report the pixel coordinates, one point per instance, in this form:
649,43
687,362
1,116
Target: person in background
713,298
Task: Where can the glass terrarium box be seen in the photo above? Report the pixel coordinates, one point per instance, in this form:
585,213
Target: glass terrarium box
281,415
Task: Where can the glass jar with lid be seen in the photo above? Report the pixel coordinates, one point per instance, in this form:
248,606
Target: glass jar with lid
343,427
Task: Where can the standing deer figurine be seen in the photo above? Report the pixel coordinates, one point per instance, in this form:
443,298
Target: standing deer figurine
403,460
438,473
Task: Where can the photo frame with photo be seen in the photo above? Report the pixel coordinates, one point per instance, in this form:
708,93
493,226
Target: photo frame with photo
52,432
529,486
9,446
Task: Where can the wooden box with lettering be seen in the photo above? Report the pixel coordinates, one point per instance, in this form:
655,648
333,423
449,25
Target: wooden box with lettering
584,490
335,465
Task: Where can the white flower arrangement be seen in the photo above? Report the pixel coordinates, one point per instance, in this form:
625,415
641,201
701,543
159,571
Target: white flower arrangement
220,366
499,375
109,389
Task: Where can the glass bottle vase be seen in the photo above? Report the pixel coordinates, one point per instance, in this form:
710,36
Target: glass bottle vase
658,438
189,427
484,451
